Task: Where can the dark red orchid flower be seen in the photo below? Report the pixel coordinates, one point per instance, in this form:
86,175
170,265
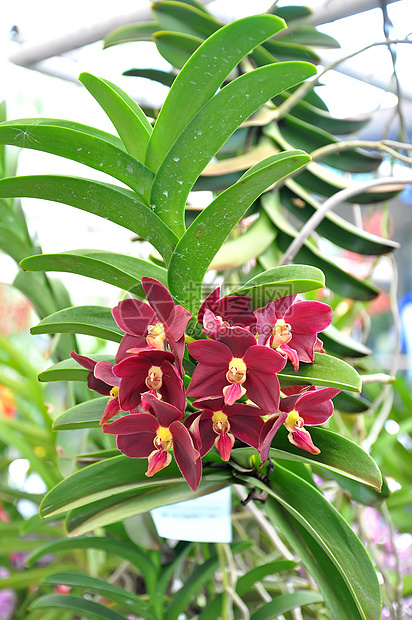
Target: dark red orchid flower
309,406
102,380
218,313
292,328
143,435
150,371
236,365
153,325
218,424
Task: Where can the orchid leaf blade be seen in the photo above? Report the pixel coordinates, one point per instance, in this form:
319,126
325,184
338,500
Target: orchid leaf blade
84,415
286,602
94,321
79,605
68,370
326,370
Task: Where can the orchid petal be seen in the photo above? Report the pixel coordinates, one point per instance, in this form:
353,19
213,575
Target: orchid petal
238,340
301,439
176,323
232,393
308,317
186,456
158,297
129,342
133,424
264,361
157,460
133,316
208,303
269,430
84,361
211,352
104,371
112,408
247,428
224,443
164,412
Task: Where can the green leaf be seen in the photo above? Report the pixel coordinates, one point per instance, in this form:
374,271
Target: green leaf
20,580
185,18
118,205
84,415
326,370
348,403
130,121
337,280
77,604
120,270
281,281
163,77
176,47
290,51
94,321
207,72
339,343
308,35
337,454
68,370
210,229
324,523
85,148
125,598
199,577
124,505
131,553
201,139
131,32
333,227
251,244
319,565
284,603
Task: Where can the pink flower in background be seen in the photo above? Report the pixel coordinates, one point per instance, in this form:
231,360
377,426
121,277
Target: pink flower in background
218,313
154,325
292,328
234,366
144,435
150,371
218,424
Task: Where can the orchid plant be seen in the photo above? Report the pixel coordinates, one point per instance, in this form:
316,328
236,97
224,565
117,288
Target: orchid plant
212,390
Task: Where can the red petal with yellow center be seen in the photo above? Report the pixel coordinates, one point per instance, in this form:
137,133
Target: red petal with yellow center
133,316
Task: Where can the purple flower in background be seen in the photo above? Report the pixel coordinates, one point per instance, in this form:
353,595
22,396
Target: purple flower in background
8,602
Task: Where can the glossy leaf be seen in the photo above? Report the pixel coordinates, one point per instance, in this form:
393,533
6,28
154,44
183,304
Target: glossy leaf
308,35
125,598
163,77
79,605
328,528
281,281
185,99
68,370
22,579
131,32
176,47
124,550
85,148
210,229
337,454
120,270
185,18
201,139
333,227
348,403
341,344
286,602
84,415
284,50
120,206
94,321
130,121
336,279
326,370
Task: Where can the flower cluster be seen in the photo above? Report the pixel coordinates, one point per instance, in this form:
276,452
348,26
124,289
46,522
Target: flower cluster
234,390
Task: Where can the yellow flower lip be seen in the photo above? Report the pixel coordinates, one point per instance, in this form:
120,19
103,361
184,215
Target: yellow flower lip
220,423
156,336
154,378
293,421
237,371
163,439
281,333
114,391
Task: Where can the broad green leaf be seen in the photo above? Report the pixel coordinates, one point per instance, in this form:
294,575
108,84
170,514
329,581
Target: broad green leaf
84,415
107,478
176,47
119,507
301,135
337,454
201,139
286,602
291,13
326,370
308,35
131,32
68,370
118,205
129,120
199,577
125,598
94,321
163,77
120,270
246,583
290,51
84,148
12,243
333,227
357,491
348,403
203,74
251,244
336,279
77,604
210,229
329,580
20,580
339,343
185,18
280,282
131,553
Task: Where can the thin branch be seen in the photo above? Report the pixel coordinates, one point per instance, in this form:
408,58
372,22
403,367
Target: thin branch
329,204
